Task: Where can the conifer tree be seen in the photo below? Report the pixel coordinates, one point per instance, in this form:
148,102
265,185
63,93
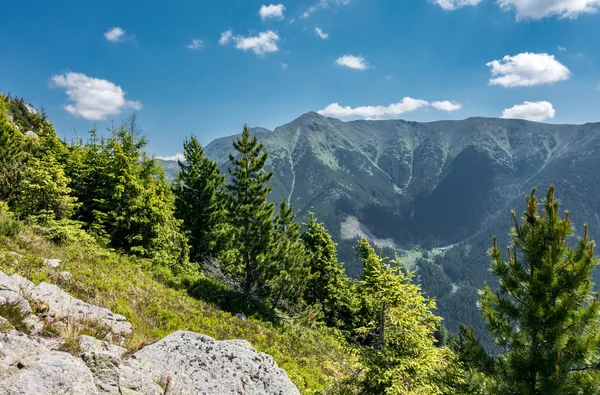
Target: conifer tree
327,284
197,200
402,358
250,215
289,259
12,155
545,315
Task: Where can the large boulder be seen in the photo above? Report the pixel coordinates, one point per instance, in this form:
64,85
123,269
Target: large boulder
199,364
28,367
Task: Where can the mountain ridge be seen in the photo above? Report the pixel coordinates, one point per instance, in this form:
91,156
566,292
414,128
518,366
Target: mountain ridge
436,191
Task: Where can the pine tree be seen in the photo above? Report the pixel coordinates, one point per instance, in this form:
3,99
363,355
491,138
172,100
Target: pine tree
545,315
44,191
289,259
12,155
197,198
250,215
327,286
402,358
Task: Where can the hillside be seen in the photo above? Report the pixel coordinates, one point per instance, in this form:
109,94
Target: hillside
436,191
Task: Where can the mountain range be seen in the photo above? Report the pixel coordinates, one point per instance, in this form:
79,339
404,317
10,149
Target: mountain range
436,192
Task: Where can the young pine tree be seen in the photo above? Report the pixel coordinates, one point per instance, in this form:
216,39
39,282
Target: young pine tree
289,259
327,285
545,315
402,358
197,199
250,215
12,155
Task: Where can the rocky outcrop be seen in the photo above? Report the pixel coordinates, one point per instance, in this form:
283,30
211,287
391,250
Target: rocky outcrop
61,305
181,363
27,366
196,363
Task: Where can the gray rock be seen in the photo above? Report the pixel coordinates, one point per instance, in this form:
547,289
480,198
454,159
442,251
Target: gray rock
4,324
62,305
133,381
25,286
105,369
90,344
198,363
28,367
53,263
65,275
31,133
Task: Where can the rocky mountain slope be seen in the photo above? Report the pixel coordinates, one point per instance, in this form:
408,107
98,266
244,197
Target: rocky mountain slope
41,356
436,191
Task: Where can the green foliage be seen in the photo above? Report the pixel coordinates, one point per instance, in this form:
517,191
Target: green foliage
9,227
545,316
44,192
12,154
402,358
126,198
14,314
327,286
249,218
289,260
197,199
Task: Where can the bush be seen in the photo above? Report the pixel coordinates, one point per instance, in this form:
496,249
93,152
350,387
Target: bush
9,227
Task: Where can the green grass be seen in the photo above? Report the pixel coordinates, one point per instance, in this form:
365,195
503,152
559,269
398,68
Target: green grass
314,359
14,315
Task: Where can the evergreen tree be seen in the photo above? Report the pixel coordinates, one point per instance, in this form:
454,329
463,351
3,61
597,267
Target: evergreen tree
545,315
44,192
197,198
327,286
12,155
250,215
289,259
403,358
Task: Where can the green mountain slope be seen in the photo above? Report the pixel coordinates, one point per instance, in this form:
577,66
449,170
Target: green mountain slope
436,191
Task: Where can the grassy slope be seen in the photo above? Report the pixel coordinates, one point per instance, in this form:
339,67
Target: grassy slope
313,359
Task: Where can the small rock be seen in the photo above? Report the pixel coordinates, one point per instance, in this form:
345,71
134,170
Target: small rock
65,275
53,263
241,316
31,133
4,324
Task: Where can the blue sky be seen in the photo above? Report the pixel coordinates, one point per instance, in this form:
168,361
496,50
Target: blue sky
207,67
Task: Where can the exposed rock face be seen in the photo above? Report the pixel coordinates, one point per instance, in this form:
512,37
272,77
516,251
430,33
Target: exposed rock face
27,366
200,364
63,305
184,362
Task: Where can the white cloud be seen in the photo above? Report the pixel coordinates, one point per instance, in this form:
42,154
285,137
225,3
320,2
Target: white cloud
450,5
446,105
196,44
265,42
321,4
178,156
271,11
285,66
353,62
561,49
527,69
225,37
321,33
538,9
93,98
115,34
385,112
531,111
